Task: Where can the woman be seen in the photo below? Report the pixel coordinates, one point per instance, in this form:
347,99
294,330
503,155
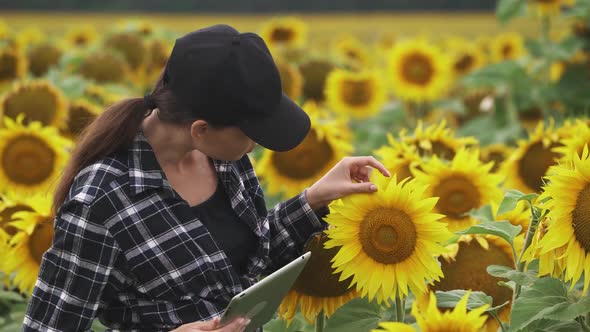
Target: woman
160,219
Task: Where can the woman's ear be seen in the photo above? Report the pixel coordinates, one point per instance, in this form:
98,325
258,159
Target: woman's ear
199,129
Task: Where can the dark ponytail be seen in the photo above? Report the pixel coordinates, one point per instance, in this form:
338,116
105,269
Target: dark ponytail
115,129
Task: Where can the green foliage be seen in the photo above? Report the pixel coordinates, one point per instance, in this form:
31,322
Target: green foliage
506,10
358,315
511,198
503,229
520,278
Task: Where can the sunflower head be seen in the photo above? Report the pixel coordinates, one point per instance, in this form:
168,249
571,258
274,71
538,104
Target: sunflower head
530,117
32,156
419,71
284,32
80,36
399,158
11,203
568,230
292,171
507,46
291,79
158,53
574,143
129,44
355,94
549,7
529,163
465,56
315,72
463,184
38,101
81,113
388,239
496,153
104,67
13,65
42,57
351,52
317,288
436,140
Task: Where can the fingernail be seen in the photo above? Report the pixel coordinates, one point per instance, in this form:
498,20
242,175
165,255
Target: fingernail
373,187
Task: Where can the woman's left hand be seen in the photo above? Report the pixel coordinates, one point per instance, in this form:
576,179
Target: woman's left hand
350,175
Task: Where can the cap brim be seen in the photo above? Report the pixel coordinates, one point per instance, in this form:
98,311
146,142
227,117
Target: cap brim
281,131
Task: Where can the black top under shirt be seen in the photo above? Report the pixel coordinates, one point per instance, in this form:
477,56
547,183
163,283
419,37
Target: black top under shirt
232,235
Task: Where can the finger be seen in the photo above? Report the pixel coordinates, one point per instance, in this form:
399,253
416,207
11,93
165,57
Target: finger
238,324
365,187
370,161
205,326
363,173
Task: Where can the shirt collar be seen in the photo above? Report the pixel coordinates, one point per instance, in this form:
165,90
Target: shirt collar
146,173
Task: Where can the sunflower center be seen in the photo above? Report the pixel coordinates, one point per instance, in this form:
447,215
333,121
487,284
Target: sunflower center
531,114
80,117
534,164
28,160
388,235
417,69
457,195
495,156
464,63
41,240
439,149
6,214
314,79
80,40
37,102
131,46
317,278
8,64
282,34
403,171
306,160
468,271
581,218
507,51
356,93
103,68
43,57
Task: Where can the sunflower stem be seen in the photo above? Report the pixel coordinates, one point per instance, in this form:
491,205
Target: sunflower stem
494,314
583,324
319,322
399,309
520,265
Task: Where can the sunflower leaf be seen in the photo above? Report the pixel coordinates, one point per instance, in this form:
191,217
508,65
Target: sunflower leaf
483,214
503,229
506,10
521,278
511,198
449,299
355,316
10,296
547,298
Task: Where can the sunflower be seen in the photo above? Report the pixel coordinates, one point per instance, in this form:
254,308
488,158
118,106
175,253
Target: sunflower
568,228
143,28
292,171
104,67
399,158
291,79
574,143
419,71
284,32
556,71
530,117
461,185
472,101
30,243
158,53
39,101
13,65
317,289
355,94
132,47
388,239
507,46
465,56
550,262
30,36
9,204
465,267
436,140
496,153
99,95
352,53
79,37
32,156
42,57
549,7
81,113
314,73
436,115
528,164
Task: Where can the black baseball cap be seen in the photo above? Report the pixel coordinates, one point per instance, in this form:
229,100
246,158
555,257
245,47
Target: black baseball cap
227,77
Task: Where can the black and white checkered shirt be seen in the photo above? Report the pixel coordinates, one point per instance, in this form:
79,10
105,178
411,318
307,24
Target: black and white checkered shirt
128,250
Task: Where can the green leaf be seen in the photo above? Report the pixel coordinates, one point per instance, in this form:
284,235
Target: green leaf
483,214
521,278
280,325
511,198
506,10
545,325
449,299
11,296
547,298
503,229
494,75
358,315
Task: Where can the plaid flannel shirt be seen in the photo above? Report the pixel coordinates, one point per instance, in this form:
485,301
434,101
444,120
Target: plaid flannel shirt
128,250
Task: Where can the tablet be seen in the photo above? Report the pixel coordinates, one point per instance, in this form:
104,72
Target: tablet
260,301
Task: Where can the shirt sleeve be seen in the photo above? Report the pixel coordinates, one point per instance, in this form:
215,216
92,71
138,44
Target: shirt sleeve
292,223
73,272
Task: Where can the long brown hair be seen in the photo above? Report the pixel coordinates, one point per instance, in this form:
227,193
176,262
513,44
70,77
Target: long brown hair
113,130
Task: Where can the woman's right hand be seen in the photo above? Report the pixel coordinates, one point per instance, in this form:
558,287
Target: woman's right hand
238,324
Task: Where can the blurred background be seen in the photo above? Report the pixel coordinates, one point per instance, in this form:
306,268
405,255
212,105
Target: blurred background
401,80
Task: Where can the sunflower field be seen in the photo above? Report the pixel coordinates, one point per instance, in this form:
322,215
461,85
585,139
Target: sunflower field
483,226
